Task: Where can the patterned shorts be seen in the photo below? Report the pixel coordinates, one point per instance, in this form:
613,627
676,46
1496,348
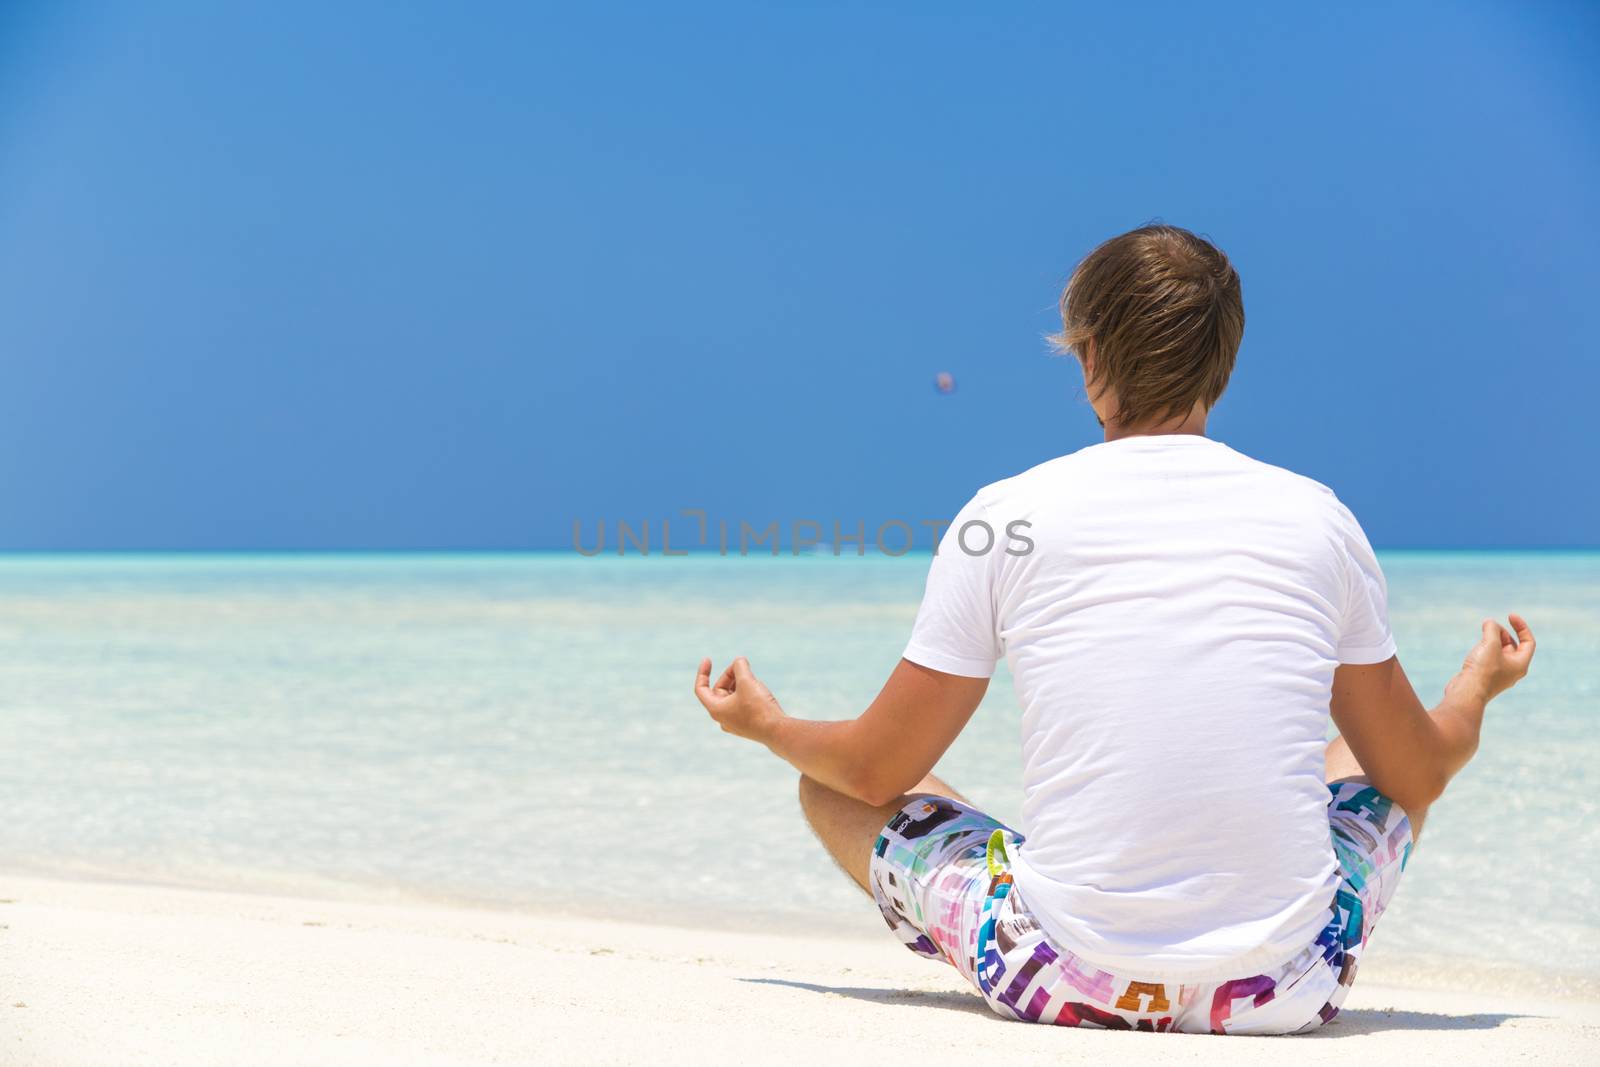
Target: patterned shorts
941,876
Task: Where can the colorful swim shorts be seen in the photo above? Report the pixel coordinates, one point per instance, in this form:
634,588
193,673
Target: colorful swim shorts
941,876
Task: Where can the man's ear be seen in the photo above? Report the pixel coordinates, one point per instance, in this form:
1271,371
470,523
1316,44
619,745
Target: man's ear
1086,357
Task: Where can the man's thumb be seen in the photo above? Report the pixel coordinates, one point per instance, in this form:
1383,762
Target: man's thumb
741,668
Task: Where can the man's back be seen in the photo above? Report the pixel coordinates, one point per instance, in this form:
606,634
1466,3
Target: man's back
1173,634
1181,624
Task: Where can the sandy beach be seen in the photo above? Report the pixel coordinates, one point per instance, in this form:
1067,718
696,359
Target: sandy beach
121,974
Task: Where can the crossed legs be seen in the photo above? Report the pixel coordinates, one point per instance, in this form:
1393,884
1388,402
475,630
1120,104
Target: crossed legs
848,828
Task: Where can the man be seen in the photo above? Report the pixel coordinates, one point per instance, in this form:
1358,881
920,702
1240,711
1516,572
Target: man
1194,856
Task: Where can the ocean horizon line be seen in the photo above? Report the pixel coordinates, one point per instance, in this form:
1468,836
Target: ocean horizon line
821,550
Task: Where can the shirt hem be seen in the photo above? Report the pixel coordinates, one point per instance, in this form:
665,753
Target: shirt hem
1360,655
966,668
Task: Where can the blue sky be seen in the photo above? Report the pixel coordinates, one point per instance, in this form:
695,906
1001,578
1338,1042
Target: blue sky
449,276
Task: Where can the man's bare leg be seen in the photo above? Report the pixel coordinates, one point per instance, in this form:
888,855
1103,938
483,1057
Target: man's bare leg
1343,767
848,828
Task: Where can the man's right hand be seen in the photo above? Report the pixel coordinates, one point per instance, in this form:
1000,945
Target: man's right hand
1498,661
1408,752
739,703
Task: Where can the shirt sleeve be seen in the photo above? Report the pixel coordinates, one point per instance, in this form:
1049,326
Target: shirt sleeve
1364,635
956,630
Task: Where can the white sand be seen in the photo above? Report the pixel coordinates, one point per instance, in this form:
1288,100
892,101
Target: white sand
98,974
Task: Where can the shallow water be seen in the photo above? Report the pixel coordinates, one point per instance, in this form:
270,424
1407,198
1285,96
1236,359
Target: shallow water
520,730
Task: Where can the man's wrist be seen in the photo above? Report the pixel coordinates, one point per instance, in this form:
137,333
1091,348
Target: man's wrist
770,730
1471,688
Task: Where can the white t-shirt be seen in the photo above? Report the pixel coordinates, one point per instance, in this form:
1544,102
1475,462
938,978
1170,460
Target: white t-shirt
1172,635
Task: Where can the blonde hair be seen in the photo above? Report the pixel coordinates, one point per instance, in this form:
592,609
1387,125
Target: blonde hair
1164,312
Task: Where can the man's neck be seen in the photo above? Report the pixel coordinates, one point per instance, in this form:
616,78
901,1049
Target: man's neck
1192,424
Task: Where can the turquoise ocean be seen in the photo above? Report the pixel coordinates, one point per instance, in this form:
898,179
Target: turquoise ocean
520,731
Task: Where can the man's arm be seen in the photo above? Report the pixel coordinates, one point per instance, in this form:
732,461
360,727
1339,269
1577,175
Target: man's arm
1409,752
875,757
